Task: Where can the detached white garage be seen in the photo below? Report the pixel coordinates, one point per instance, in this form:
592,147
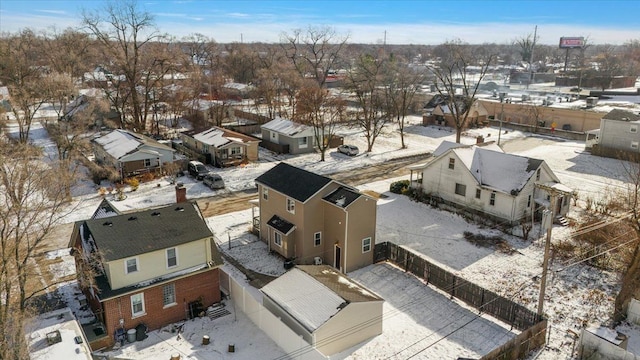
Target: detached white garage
329,310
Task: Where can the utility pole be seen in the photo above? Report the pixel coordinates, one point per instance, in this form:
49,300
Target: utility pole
547,245
533,46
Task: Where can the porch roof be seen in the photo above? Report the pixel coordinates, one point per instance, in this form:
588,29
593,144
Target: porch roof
281,225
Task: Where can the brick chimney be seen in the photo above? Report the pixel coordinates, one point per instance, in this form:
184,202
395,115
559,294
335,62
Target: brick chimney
181,193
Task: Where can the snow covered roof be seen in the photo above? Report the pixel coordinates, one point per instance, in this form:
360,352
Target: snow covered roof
219,137
491,167
119,142
53,336
621,115
202,104
286,127
313,294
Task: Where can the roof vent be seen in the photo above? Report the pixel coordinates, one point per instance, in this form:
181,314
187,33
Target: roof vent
132,218
155,213
179,208
108,223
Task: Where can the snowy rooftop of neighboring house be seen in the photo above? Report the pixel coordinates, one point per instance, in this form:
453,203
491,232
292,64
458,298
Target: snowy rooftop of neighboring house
236,86
4,92
44,331
306,296
219,137
493,168
611,335
119,143
284,126
202,104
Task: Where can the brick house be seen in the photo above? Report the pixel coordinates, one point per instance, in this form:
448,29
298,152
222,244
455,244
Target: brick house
151,267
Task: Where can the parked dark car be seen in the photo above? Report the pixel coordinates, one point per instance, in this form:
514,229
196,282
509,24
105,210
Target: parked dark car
350,150
197,169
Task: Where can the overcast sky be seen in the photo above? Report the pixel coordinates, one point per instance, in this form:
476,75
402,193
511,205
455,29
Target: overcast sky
405,22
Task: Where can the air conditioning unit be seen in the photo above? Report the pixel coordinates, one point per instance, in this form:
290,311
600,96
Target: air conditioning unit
317,260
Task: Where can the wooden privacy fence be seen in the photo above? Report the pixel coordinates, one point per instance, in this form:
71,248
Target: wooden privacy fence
533,327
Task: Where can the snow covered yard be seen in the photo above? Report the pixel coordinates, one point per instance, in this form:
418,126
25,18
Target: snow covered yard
576,295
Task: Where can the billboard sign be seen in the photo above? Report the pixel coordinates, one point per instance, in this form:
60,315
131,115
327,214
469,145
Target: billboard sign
571,42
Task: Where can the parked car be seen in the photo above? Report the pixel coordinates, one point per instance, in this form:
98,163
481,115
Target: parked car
213,181
350,150
197,169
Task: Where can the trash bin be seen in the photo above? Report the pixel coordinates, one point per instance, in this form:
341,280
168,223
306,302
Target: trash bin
131,335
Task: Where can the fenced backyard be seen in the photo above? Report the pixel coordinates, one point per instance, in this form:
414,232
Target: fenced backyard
532,326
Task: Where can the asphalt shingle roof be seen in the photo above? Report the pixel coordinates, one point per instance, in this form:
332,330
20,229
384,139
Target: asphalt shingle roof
292,181
127,235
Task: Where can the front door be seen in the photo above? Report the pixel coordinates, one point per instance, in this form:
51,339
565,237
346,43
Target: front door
338,258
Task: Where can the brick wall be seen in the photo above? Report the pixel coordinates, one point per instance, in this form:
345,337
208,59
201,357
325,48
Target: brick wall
204,286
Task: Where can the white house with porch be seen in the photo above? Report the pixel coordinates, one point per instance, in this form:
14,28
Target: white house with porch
485,181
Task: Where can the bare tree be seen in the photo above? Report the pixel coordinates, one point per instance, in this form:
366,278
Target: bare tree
125,33
364,82
21,69
455,81
318,109
32,200
401,87
314,51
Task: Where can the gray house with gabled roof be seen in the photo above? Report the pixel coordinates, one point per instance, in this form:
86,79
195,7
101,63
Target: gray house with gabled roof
313,219
288,137
146,266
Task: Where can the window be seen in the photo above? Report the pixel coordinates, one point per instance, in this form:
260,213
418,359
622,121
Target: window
169,295
265,193
538,175
277,238
147,162
302,142
461,189
291,205
172,257
137,305
633,128
205,148
366,245
131,265
634,144
317,239
478,193
529,201
452,163
236,151
492,200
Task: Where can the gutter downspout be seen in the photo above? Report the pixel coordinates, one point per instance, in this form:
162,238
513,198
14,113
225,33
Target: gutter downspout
346,246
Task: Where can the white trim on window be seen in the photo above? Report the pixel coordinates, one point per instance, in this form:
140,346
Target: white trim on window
169,295
131,268
303,142
634,145
317,238
265,193
137,305
291,205
633,129
366,245
172,261
277,238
